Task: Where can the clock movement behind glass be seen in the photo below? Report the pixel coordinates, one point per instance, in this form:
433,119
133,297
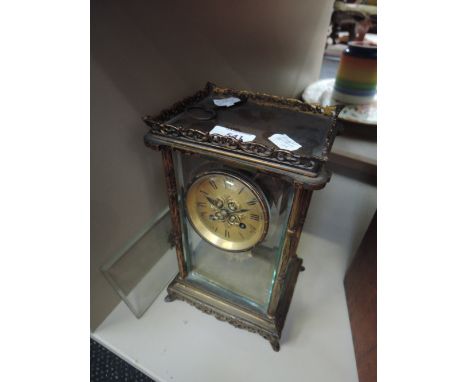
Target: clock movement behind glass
240,169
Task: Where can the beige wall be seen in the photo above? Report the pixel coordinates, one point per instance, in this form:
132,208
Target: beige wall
148,54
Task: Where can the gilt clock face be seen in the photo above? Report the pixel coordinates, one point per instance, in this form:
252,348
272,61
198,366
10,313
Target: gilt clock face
227,210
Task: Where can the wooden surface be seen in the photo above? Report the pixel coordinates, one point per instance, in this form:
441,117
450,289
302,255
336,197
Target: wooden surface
361,295
354,153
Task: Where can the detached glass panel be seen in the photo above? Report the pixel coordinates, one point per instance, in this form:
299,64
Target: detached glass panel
145,266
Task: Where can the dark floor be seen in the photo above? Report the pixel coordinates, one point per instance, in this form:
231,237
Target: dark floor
106,366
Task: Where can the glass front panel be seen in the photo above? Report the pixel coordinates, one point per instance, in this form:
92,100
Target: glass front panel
234,223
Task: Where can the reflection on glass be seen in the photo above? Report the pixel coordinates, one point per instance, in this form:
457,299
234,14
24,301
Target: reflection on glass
141,270
244,278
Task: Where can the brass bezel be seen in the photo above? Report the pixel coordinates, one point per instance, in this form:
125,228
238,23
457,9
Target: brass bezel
251,185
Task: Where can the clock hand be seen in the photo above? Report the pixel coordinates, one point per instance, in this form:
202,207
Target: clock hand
239,211
213,202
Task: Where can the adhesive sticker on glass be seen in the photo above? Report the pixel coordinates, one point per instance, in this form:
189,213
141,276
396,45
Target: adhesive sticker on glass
284,142
221,130
226,101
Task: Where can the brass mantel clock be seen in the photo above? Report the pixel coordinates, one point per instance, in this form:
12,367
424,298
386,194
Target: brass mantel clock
240,170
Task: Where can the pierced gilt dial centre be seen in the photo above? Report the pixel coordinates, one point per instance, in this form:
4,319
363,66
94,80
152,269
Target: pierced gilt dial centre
227,210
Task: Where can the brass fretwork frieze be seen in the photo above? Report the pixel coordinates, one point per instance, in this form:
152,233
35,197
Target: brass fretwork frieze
230,143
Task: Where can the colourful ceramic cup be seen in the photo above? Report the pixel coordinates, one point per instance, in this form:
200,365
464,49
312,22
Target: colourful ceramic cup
356,81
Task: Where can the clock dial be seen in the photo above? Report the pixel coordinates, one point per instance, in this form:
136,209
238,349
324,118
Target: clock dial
227,210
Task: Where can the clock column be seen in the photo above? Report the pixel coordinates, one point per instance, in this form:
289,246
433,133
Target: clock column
168,163
296,220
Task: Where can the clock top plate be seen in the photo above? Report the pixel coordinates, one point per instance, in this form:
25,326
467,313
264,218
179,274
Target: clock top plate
192,120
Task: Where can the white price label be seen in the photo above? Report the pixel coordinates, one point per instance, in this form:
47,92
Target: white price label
226,101
221,130
284,142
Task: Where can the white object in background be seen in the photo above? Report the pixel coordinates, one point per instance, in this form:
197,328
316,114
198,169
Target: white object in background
284,142
226,101
221,130
321,92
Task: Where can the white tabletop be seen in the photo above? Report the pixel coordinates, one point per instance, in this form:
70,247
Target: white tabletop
176,342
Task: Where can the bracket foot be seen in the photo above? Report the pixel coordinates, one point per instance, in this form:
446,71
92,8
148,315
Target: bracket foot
275,345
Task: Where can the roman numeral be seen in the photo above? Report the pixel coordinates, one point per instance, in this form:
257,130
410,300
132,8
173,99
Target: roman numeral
201,204
204,192
226,233
242,189
213,184
254,217
252,202
252,229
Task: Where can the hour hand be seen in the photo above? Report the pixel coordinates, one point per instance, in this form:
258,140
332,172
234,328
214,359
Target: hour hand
213,202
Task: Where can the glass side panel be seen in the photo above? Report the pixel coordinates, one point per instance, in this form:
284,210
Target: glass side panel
141,270
244,278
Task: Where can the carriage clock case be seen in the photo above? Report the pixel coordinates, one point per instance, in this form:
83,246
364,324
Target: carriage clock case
238,205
